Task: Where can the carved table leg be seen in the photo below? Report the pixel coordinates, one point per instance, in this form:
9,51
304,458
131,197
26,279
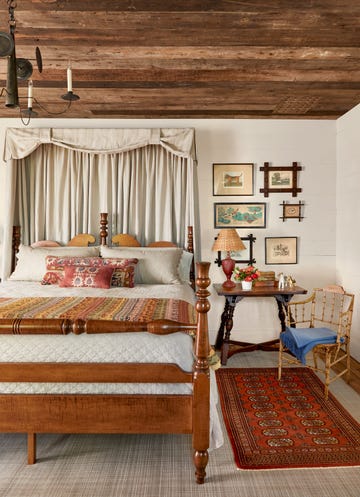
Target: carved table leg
200,461
220,334
282,303
228,316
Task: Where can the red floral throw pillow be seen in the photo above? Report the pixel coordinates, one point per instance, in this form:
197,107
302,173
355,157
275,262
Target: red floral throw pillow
87,276
124,271
55,266
123,274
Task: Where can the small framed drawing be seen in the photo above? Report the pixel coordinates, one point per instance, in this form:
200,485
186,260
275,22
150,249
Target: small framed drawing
280,179
240,215
281,250
233,179
292,211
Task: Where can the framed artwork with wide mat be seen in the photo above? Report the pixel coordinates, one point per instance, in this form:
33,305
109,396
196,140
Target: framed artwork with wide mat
233,179
281,250
276,424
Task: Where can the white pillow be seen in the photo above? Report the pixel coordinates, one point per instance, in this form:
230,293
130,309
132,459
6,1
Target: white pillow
185,266
31,263
157,265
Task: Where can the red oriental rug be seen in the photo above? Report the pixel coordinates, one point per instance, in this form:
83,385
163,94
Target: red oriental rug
286,424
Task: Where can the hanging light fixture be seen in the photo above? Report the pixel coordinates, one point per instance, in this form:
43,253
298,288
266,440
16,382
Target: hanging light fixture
18,68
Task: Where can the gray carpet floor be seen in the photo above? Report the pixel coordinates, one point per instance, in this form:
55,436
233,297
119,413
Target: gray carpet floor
161,465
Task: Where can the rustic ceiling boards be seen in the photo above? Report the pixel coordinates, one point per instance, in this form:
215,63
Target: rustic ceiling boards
191,59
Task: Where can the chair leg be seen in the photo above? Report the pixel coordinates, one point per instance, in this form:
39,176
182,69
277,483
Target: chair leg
326,391
315,358
327,373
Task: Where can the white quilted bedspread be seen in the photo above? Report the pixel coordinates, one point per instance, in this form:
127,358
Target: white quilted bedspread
107,347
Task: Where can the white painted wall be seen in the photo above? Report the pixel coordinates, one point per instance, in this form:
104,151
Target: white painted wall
280,142
348,213
312,144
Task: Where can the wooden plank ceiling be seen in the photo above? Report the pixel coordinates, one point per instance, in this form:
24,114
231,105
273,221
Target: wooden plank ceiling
192,58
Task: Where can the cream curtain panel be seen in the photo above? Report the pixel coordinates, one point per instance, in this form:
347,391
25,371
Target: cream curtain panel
59,180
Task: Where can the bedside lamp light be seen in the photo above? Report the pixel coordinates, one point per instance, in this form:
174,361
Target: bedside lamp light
228,240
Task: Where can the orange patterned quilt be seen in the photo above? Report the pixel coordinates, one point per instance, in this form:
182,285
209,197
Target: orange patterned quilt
140,310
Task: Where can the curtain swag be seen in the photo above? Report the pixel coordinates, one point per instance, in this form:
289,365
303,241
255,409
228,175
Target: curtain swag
20,142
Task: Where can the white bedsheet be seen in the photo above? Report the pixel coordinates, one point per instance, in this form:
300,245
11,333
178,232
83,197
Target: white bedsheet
108,347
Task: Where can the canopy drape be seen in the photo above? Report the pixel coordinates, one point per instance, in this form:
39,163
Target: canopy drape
59,180
20,142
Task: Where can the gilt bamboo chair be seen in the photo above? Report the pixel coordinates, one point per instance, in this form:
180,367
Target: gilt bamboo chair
321,324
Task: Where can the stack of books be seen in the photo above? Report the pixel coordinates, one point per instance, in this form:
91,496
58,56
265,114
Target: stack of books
266,278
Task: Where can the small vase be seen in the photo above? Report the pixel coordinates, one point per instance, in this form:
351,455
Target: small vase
246,285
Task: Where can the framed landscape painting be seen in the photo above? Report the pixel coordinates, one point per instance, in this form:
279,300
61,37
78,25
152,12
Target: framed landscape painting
233,179
278,179
240,215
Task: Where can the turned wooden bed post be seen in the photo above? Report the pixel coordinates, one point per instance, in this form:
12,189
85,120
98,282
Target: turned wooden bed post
103,228
201,375
16,236
190,248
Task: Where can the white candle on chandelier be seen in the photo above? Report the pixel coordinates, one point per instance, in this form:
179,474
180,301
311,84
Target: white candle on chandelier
69,79
30,94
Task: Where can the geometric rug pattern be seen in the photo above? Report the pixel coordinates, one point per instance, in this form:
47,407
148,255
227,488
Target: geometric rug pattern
275,424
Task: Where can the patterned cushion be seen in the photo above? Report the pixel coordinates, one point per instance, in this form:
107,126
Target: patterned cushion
55,266
87,276
58,262
124,271
52,277
123,275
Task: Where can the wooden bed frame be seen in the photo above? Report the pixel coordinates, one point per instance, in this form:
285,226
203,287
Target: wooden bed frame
109,413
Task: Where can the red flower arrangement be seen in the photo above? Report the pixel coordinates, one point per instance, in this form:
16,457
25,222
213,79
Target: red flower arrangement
248,273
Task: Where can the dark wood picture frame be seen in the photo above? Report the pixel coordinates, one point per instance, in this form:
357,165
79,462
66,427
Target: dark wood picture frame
249,244
233,179
292,211
280,179
249,215
281,250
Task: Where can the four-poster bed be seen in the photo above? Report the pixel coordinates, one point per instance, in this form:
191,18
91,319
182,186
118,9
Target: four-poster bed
109,413
118,394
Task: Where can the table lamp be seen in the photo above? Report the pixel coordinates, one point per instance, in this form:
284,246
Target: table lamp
228,240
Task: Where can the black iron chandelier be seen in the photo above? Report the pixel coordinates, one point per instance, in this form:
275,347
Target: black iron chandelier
22,69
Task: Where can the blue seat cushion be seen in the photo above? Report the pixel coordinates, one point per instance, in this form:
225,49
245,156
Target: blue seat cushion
301,340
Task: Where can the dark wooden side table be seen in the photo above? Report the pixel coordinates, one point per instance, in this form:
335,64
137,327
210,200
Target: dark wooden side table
232,297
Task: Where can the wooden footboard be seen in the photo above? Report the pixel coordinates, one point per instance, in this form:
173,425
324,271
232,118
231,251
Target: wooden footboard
117,413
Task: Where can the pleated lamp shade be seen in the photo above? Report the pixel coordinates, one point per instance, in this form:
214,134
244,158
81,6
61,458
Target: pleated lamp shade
228,240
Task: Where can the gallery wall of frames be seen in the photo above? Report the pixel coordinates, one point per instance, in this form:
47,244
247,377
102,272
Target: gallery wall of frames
237,180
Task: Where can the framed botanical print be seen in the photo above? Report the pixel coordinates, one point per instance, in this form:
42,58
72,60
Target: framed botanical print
233,179
281,250
240,215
